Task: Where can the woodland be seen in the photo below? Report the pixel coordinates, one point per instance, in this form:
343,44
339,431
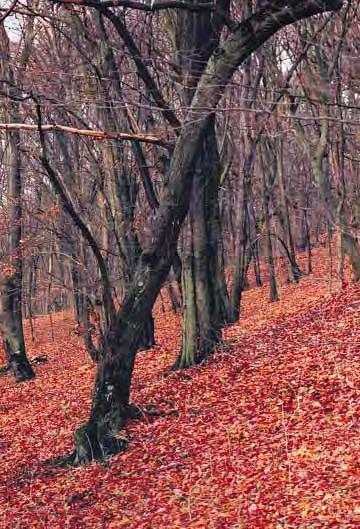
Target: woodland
179,264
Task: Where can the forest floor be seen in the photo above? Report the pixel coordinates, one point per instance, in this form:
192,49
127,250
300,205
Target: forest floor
265,435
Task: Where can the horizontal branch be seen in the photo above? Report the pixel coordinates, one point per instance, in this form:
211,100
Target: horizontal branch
95,134
150,6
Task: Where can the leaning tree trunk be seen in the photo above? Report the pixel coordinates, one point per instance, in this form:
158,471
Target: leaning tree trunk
112,388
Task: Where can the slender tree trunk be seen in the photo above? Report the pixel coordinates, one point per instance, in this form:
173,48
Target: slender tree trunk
257,269
269,247
329,237
175,301
308,242
294,267
241,243
82,308
241,211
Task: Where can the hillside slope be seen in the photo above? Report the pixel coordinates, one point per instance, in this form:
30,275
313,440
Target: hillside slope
266,435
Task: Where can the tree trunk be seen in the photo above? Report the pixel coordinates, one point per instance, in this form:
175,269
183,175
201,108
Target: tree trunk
12,329
308,241
285,217
257,270
11,316
112,388
241,212
269,247
240,251
204,287
82,308
351,248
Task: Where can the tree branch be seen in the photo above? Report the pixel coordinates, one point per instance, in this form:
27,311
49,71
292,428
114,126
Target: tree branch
142,69
7,12
69,208
248,37
140,6
95,134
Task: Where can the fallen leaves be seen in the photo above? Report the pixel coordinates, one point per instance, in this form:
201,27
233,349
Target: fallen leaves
265,435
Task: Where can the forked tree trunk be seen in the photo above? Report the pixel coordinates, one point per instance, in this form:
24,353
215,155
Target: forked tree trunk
112,388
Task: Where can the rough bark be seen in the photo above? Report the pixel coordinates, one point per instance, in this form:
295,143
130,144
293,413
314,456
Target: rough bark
204,288
12,329
203,282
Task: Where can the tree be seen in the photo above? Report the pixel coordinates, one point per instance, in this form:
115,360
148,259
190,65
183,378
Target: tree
194,37
326,158
11,324
112,387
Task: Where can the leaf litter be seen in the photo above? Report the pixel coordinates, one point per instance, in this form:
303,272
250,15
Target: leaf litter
266,435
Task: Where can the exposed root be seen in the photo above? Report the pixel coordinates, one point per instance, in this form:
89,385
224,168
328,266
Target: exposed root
94,442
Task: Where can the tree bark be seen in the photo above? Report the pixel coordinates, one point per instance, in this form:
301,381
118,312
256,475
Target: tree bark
112,389
204,288
266,162
285,217
11,312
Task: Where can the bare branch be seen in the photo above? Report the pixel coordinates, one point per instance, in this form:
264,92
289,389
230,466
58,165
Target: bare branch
95,134
140,6
8,11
